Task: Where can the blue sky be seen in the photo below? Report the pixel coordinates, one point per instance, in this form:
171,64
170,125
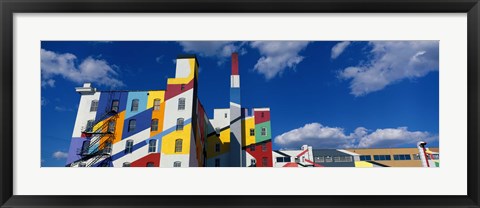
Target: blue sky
328,94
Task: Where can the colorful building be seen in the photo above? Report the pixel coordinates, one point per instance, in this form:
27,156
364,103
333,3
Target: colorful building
168,128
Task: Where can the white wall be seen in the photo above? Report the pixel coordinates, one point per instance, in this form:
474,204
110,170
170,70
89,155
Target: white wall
84,114
135,155
219,120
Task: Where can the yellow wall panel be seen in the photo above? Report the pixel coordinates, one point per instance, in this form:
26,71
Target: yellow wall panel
168,141
152,95
248,123
223,140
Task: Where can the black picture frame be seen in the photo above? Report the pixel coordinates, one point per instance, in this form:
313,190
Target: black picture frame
10,7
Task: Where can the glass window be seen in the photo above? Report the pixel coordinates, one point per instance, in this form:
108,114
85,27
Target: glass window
126,164
179,124
225,115
279,159
150,164
252,132
89,127
111,126
436,156
94,105
108,147
128,146
85,147
177,164
115,104
319,159
286,159
152,144
178,145
264,147
132,124
217,147
264,161
253,162
156,104
264,131
217,162
252,147
328,159
181,104
365,158
382,157
134,105
82,164
182,87
154,126
416,156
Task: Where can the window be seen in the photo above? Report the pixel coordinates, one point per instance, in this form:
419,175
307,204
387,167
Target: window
111,126
328,159
82,164
217,162
217,147
94,105
416,156
178,145
126,164
401,157
152,144
177,164
225,115
342,159
108,148
435,156
252,132
156,104
264,161
132,124
264,131
252,147
382,157
264,147
283,159
134,105
154,126
179,124
365,158
89,127
319,159
181,104
297,160
115,104
85,147
128,146
182,87
253,162
150,164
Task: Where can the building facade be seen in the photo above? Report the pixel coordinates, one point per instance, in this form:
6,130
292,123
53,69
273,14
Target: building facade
168,128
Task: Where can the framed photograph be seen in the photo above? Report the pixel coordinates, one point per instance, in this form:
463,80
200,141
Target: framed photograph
247,104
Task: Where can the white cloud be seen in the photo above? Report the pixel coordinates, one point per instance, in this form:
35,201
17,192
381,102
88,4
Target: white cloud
277,56
90,70
59,155
392,62
319,136
48,83
339,48
220,49
43,101
62,109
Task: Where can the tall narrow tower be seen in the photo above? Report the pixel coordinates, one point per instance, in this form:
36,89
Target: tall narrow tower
235,116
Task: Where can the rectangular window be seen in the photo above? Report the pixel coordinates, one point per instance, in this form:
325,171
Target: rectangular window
328,159
82,164
182,86
286,159
179,124
382,157
342,159
365,158
154,125
319,159
264,161
94,105
156,104
115,104
152,144
253,163
252,147
177,164
252,132
111,126
132,124
264,131
416,156
108,148
436,156
126,164
128,146
178,145
134,105
89,127
264,147
225,115
217,162
181,104
217,147
401,157
280,159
